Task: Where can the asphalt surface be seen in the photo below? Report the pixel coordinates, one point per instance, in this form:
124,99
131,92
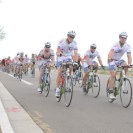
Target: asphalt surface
85,114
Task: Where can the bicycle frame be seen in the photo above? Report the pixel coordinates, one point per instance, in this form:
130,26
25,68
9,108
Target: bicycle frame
65,73
46,72
91,74
121,72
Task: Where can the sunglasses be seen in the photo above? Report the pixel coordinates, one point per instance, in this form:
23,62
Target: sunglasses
71,37
123,37
93,47
47,46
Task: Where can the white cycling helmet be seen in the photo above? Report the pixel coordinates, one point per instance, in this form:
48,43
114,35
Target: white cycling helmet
93,45
47,45
71,33
17,53
123,34
22,53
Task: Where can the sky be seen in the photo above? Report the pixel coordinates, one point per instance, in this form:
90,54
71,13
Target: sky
28,24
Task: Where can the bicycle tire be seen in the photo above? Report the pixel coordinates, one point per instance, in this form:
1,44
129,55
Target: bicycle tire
32,71
46,86
68,90
74,81
122,94
107,92
20,76
80,78
59,98
89,83
98,86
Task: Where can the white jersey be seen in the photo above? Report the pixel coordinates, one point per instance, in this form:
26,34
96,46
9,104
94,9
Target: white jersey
120,51
16,59
67,49
91,55
46,57
26,60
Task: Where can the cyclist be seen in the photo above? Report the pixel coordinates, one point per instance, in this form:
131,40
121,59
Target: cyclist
20,62
114,58
46,56
88,61
26,63
7,64
32,62
67,51
78,64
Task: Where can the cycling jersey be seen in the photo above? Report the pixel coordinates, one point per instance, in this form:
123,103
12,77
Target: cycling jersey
26,60
91,55
120,51
67,50
45,57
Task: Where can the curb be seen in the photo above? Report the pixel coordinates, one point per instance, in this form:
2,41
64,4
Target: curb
13,118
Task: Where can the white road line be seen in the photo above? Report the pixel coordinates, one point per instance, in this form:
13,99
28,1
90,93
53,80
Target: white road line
26,82
11,75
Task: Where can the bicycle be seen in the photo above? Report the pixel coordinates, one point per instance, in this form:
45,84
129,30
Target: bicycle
33,70
78,76
93,82
66,84
122,86
45,86
18,74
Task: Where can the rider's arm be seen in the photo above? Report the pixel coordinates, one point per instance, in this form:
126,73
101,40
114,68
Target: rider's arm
52,60
129,58
87,60
110,55
100,61
52,57
58,52
41,55
75,57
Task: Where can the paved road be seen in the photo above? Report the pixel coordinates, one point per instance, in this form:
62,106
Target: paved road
85,115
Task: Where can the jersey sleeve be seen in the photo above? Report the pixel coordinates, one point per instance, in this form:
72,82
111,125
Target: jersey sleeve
41,53
75,46
128,49
52,52
98,55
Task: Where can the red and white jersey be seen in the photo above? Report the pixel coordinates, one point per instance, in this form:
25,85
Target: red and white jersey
120,51
8,61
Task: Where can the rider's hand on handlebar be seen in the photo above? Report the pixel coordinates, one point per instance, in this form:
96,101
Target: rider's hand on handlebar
103,67
130,65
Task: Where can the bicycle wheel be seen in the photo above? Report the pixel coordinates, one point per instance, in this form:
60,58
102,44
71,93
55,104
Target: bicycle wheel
89,83
74,79
126,93
20,76
61,92
68,93
46,86
80,77
107,92
33,71
96,86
